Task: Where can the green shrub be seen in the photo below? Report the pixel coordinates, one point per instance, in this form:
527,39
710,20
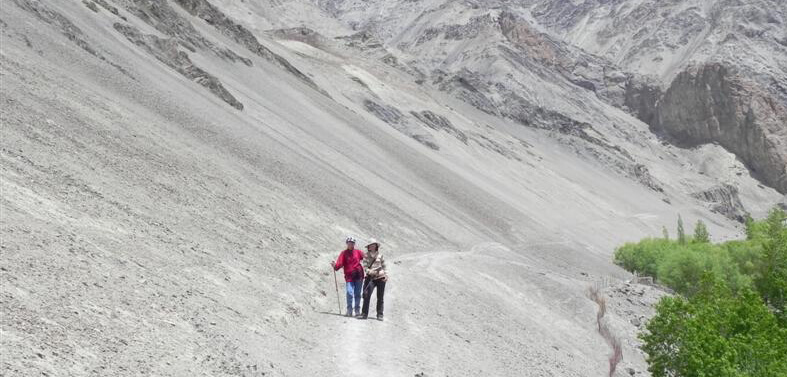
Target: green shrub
681,232
760,261
715,333
643,256
701,232
771,272
729,318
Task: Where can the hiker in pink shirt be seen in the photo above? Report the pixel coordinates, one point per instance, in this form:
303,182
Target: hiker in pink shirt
350,261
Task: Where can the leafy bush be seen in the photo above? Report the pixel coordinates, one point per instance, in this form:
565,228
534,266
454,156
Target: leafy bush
680,266
759,262
771,272
715,333
644,256
701,232
730,318
681,232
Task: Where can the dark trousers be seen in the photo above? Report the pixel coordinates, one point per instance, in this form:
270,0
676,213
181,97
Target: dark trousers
368,286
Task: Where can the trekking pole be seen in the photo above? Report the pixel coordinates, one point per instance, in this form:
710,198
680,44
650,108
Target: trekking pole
338,302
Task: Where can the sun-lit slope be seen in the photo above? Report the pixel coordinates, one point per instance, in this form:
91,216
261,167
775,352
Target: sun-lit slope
149,226
497,58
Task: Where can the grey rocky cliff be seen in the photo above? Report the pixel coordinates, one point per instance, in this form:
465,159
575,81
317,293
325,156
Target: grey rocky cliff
710,104
723,199
704,71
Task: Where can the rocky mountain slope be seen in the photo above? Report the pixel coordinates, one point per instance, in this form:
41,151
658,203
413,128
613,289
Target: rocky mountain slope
718,69
176,176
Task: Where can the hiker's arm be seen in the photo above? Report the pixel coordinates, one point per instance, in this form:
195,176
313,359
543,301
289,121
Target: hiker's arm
383,268
339,262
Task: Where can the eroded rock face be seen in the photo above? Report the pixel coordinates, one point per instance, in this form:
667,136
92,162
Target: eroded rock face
521,34
438,122
166,19
67,28
712,104
166,51
387,114
300,34
724,200
228,27
162,16
399,121
717,70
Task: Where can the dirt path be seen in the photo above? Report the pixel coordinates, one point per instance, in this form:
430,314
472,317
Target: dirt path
353,347
436,323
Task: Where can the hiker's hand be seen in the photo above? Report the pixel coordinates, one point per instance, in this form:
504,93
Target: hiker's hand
333,264
384,278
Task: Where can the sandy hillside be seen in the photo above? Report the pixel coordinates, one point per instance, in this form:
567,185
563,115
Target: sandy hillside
177,175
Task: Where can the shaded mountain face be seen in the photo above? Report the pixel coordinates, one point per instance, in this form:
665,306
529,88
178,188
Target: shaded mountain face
720,69
177,174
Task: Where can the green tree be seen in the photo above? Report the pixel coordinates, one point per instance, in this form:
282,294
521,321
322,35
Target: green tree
701,232
771,281
730,315
759,262
644,256
681,232
664,233
715,333
749,227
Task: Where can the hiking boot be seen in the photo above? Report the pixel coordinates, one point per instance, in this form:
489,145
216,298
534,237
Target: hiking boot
358,315
349,314
362,316
379,317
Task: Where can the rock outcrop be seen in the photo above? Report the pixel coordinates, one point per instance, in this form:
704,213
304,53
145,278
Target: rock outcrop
66,28
439,123
167,52
399,121
167,20
213,16
716,71
712,104
724,200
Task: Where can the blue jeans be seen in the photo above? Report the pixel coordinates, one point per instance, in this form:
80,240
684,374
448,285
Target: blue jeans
354,293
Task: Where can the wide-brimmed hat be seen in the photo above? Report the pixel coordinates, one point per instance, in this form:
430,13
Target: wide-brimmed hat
371,242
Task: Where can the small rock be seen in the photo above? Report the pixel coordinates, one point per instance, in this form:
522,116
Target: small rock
91,5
